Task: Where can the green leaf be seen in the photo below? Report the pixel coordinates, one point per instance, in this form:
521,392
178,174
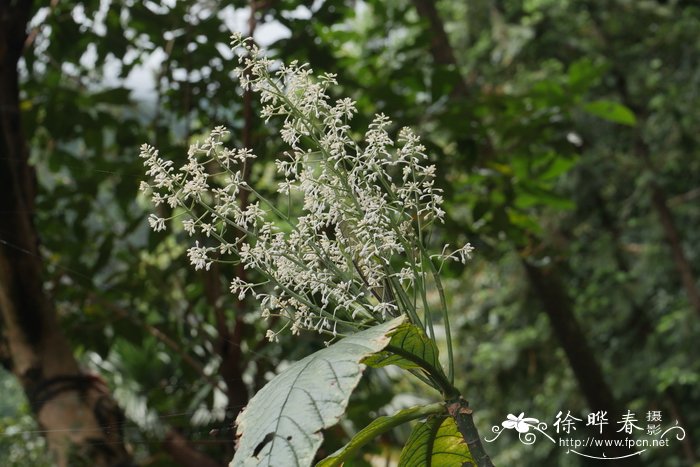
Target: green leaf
413,346
376,428
283,421
583,74
436,441
611,111
558,166
535,196
523,221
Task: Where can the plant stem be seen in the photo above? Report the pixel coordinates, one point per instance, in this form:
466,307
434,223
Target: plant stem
458,408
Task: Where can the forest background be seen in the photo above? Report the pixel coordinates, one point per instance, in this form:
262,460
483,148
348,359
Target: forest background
566,138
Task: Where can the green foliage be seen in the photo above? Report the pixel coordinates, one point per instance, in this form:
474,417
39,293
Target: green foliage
410,349
436,442
539,162
283,421
19,443
378,426
611,111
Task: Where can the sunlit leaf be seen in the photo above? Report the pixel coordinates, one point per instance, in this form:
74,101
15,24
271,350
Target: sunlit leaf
611,111
413,344
436,442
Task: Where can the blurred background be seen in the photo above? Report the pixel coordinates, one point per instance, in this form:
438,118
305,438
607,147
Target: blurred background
566,136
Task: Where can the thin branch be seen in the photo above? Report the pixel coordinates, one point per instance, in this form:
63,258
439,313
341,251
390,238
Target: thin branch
184,454
684,198
161,336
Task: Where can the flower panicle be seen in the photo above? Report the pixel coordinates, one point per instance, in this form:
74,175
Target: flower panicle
362,205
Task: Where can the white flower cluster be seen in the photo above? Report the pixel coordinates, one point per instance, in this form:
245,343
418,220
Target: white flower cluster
354,252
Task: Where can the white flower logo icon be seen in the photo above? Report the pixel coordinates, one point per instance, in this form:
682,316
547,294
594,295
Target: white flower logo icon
520,423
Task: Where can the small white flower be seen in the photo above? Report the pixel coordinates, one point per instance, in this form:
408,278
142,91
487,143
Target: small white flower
156,223
188,226
464,253
198,257
226,248
271,336
240,287
206,228
461,255
385,309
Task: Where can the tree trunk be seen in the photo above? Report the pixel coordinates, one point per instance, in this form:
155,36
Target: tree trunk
81,421
440,48
559,309
658,196
673,237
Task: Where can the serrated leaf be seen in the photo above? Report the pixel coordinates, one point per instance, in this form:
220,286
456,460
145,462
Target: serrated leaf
436,442
611,111
283,421
410,339
374,429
